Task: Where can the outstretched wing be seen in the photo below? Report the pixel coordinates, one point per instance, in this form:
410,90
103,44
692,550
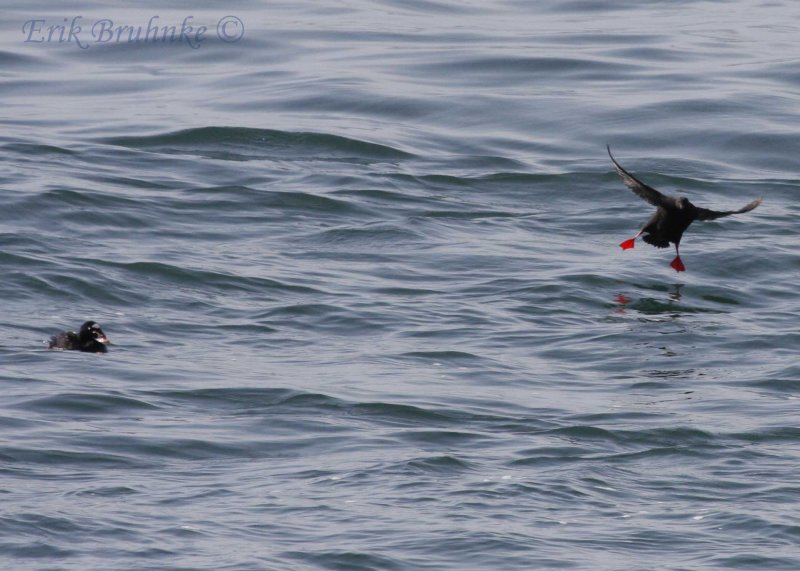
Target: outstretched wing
706,214
648,193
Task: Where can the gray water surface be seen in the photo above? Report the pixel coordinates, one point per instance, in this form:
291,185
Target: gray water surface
361,274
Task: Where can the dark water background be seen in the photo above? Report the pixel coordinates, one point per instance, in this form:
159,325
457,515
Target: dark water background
361,274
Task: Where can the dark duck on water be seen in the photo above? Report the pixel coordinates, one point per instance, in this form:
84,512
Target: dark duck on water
90,339
673,217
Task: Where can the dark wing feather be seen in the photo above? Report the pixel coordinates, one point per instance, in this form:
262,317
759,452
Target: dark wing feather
65,340
648,193
706,214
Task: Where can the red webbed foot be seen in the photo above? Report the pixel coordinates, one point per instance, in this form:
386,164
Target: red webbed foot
627,244
677,264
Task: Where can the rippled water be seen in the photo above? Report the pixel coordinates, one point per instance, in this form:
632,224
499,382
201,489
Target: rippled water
361,275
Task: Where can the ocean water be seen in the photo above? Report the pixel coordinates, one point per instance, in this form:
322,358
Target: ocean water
360,270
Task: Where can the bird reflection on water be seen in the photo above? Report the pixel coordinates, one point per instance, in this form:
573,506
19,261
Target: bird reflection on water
649,305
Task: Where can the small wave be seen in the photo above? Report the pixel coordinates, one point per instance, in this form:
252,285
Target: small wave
283,201
368,237
38,149
244,143
459,356
245,398
26,62
514,70
223,280
85,403
345,559
441,465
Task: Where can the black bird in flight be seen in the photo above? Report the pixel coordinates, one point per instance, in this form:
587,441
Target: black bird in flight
673,217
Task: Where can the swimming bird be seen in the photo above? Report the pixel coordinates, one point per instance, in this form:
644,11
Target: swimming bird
89,339
673,215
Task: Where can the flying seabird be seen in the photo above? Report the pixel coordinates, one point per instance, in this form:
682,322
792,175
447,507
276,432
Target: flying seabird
673,215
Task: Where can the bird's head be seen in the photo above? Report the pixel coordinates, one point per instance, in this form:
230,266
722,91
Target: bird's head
683,203
91,331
